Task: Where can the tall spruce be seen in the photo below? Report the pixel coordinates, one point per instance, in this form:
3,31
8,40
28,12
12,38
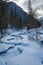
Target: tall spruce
32,22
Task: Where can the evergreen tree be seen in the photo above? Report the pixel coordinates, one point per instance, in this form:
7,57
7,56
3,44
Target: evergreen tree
31,23
3,15
1,27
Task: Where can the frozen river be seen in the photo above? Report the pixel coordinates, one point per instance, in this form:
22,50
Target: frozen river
19,48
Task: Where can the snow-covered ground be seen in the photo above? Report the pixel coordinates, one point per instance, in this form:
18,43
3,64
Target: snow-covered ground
21,48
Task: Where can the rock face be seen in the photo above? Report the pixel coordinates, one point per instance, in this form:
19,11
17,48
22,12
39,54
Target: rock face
16,17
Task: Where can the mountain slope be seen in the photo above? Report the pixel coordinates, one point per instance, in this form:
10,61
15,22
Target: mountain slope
15,8
18,14
16,17
22,14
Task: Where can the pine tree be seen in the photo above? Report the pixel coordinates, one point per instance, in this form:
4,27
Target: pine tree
30,7
31,17
31,11
3,15
32,21
1,27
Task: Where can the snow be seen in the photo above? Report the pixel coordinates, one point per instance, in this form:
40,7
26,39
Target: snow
21,48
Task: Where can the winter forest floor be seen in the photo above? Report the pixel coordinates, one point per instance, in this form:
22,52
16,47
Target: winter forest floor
21,48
